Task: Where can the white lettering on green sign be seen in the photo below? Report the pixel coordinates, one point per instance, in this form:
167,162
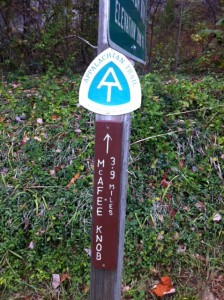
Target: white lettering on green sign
140,6
126,23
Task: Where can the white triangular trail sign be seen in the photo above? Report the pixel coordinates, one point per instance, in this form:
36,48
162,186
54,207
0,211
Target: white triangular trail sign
110,85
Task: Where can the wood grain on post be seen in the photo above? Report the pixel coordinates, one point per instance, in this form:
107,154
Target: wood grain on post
106,284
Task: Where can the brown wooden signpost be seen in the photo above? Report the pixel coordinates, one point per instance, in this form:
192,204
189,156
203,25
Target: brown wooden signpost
110,87
107,173
106,273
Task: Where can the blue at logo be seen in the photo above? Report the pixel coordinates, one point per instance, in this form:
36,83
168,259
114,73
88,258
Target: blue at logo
109,86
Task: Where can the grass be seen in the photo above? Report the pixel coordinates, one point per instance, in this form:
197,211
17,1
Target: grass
175,190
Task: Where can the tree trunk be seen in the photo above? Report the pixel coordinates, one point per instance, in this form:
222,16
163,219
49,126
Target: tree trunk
152,31
179,35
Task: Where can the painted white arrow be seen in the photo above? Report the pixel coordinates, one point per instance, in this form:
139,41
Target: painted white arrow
107,138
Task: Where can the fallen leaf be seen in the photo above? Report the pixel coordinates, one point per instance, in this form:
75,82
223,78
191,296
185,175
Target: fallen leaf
200,205
186,208
160,237
217,218
57,168
165,183
42,212
9,222
64,277
15,85
171,291
194,169
24,140
52,172
18,120
29,95
176,236
88,251
154,271
86,288
55,117
2,119
169,196
172,213
181,248
40,121
55,281
31,245
44,135
126,288
200,257
41,231
181,164
161,218
73,180
163,288
4,171
37,139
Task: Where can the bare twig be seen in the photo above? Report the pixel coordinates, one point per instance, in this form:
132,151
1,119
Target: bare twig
82,39
194,110
43,187
159,135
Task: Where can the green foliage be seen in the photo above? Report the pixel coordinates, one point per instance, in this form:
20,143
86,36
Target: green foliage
213,57
175,192
189,38
44,146
38,36
176,179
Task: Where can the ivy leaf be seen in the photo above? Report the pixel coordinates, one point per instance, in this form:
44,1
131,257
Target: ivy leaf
220,22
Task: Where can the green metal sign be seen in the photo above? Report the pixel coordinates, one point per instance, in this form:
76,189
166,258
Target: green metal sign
127,28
